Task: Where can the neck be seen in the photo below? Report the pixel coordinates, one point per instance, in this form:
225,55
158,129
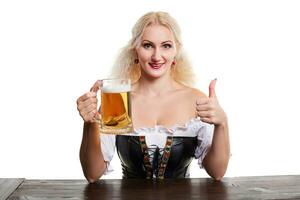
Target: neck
156,86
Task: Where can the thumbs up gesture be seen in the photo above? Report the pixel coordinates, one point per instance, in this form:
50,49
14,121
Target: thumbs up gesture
208,109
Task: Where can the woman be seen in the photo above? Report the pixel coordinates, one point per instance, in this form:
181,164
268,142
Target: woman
173,122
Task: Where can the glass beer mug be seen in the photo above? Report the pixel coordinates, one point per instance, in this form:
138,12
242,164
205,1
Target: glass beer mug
115,110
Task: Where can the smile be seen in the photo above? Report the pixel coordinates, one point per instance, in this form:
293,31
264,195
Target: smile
156,65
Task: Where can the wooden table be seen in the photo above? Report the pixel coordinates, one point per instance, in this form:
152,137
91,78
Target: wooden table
8,186
263,187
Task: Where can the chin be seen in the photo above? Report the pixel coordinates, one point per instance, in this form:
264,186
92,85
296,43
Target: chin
155,74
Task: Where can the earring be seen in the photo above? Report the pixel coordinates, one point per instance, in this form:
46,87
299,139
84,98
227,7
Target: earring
174,62
136,61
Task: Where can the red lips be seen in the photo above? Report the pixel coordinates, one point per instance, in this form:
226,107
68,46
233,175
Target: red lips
156,65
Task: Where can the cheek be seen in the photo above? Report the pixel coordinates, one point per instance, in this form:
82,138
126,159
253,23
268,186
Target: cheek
143,55
169,56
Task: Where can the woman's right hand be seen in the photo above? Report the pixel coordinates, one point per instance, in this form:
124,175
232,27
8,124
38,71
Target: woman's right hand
87,104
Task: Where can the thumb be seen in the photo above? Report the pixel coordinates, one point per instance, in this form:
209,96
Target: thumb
212,92
97,85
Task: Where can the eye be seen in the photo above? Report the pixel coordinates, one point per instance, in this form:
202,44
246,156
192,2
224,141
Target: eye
167,46
147,45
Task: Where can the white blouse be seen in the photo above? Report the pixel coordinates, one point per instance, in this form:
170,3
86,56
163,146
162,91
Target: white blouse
156,137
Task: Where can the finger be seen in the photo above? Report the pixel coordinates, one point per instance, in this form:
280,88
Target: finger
88,117
90,108
87,102
86,96
212,92
204,114
203,107
201,101
97,85
206,120
97,116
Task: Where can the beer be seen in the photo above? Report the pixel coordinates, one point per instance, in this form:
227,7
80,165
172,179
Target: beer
115,108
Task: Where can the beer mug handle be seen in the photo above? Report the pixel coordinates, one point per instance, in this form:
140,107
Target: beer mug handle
98,96
99,99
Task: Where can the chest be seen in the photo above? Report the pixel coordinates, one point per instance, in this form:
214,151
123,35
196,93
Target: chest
165,111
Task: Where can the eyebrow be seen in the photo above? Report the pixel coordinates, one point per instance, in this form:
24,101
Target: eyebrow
161,43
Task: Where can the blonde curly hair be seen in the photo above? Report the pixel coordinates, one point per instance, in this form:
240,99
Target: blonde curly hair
125,66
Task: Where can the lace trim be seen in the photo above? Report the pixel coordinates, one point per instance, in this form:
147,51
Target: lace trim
175,130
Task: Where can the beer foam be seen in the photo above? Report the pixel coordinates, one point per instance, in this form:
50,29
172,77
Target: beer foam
115,88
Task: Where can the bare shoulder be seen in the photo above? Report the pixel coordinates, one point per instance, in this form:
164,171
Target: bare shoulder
190,94
197,93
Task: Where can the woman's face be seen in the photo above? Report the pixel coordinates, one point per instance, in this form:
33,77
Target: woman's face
156,51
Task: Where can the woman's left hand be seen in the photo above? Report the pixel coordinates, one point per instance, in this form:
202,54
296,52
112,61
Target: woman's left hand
209,110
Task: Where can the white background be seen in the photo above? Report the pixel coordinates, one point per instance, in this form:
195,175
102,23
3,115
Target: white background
51,52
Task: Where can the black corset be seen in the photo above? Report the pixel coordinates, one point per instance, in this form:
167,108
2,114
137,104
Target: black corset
177,156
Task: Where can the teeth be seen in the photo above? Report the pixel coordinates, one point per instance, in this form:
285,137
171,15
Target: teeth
155,65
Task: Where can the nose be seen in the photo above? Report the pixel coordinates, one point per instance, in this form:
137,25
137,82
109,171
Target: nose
156,55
